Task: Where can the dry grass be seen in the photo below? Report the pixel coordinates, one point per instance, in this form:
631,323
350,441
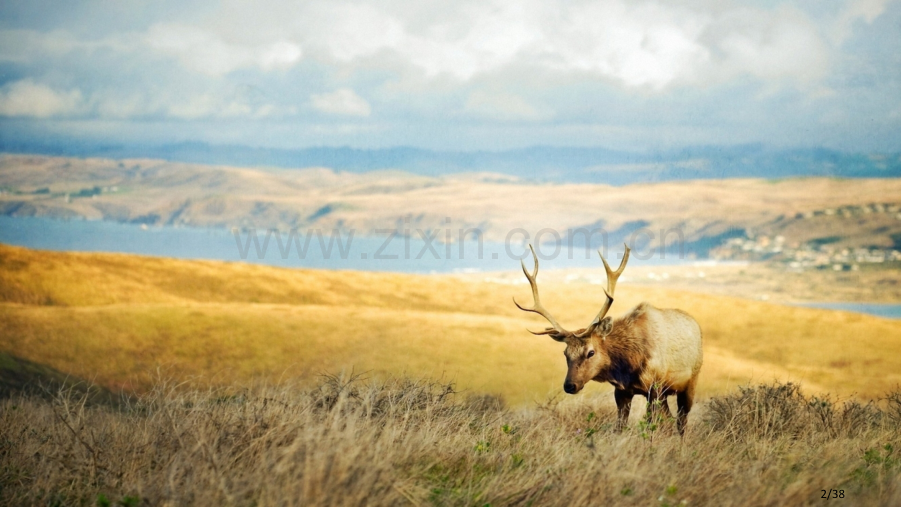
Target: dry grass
117,318
408,442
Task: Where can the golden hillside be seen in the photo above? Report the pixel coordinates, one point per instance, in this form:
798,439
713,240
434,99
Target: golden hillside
117,318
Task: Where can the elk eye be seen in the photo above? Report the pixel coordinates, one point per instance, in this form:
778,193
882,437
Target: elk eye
590,354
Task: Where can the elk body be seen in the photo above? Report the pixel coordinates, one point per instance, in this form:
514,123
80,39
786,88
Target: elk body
649,351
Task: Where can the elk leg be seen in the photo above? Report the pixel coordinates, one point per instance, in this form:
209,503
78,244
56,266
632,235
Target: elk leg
684,404
624,402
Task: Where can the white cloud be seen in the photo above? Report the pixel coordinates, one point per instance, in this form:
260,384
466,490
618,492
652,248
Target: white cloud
123,106
26,98
196,107
203,51
463,41
856,10
210,106
343,101
636,66
637,45
278,56
503,106
867,10
633,44
786,46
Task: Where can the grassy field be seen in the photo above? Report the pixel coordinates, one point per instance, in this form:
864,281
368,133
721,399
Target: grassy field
123,320
407,442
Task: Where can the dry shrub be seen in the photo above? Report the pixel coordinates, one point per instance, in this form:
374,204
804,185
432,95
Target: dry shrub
782,410
357,441
893,405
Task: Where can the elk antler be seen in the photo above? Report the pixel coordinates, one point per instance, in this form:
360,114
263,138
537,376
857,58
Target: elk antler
537,307
611,285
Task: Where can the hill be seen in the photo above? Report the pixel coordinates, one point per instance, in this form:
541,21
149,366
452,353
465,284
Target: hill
701,213
20,377
117,319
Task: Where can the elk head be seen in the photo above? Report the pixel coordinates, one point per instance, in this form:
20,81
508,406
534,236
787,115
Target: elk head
585,351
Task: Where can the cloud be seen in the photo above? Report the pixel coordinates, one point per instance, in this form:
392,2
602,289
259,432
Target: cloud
856,10
212,106
636,45
672,71
241,103
115,106
278,56
784,47
461,42
633,45
343,101
205,52
201,106
503,106
26,98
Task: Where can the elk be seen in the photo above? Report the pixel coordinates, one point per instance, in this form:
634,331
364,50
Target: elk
649,351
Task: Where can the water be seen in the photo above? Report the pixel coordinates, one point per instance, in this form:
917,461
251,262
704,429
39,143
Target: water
325,249
879,310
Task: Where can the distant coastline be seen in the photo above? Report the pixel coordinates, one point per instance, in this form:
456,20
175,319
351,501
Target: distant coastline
220,244
892,311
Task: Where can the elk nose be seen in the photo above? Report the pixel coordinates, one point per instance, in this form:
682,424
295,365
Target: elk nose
569,387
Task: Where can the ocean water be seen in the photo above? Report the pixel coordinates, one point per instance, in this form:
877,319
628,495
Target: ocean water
321,249
879,310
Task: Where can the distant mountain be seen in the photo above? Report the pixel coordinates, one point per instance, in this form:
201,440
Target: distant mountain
539,163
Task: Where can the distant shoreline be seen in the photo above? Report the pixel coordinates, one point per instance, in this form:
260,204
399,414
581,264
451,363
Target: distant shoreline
892,311
847,291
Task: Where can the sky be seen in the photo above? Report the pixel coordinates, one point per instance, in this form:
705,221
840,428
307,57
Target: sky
463,76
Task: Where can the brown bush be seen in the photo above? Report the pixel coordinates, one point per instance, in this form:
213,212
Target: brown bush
781,410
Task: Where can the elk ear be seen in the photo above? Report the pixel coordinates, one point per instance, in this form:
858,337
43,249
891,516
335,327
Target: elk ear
604,327
558,337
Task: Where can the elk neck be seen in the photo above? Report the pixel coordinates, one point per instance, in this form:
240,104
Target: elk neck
627,346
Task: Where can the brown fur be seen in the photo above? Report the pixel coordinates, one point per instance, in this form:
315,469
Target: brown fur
649,351
623,349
